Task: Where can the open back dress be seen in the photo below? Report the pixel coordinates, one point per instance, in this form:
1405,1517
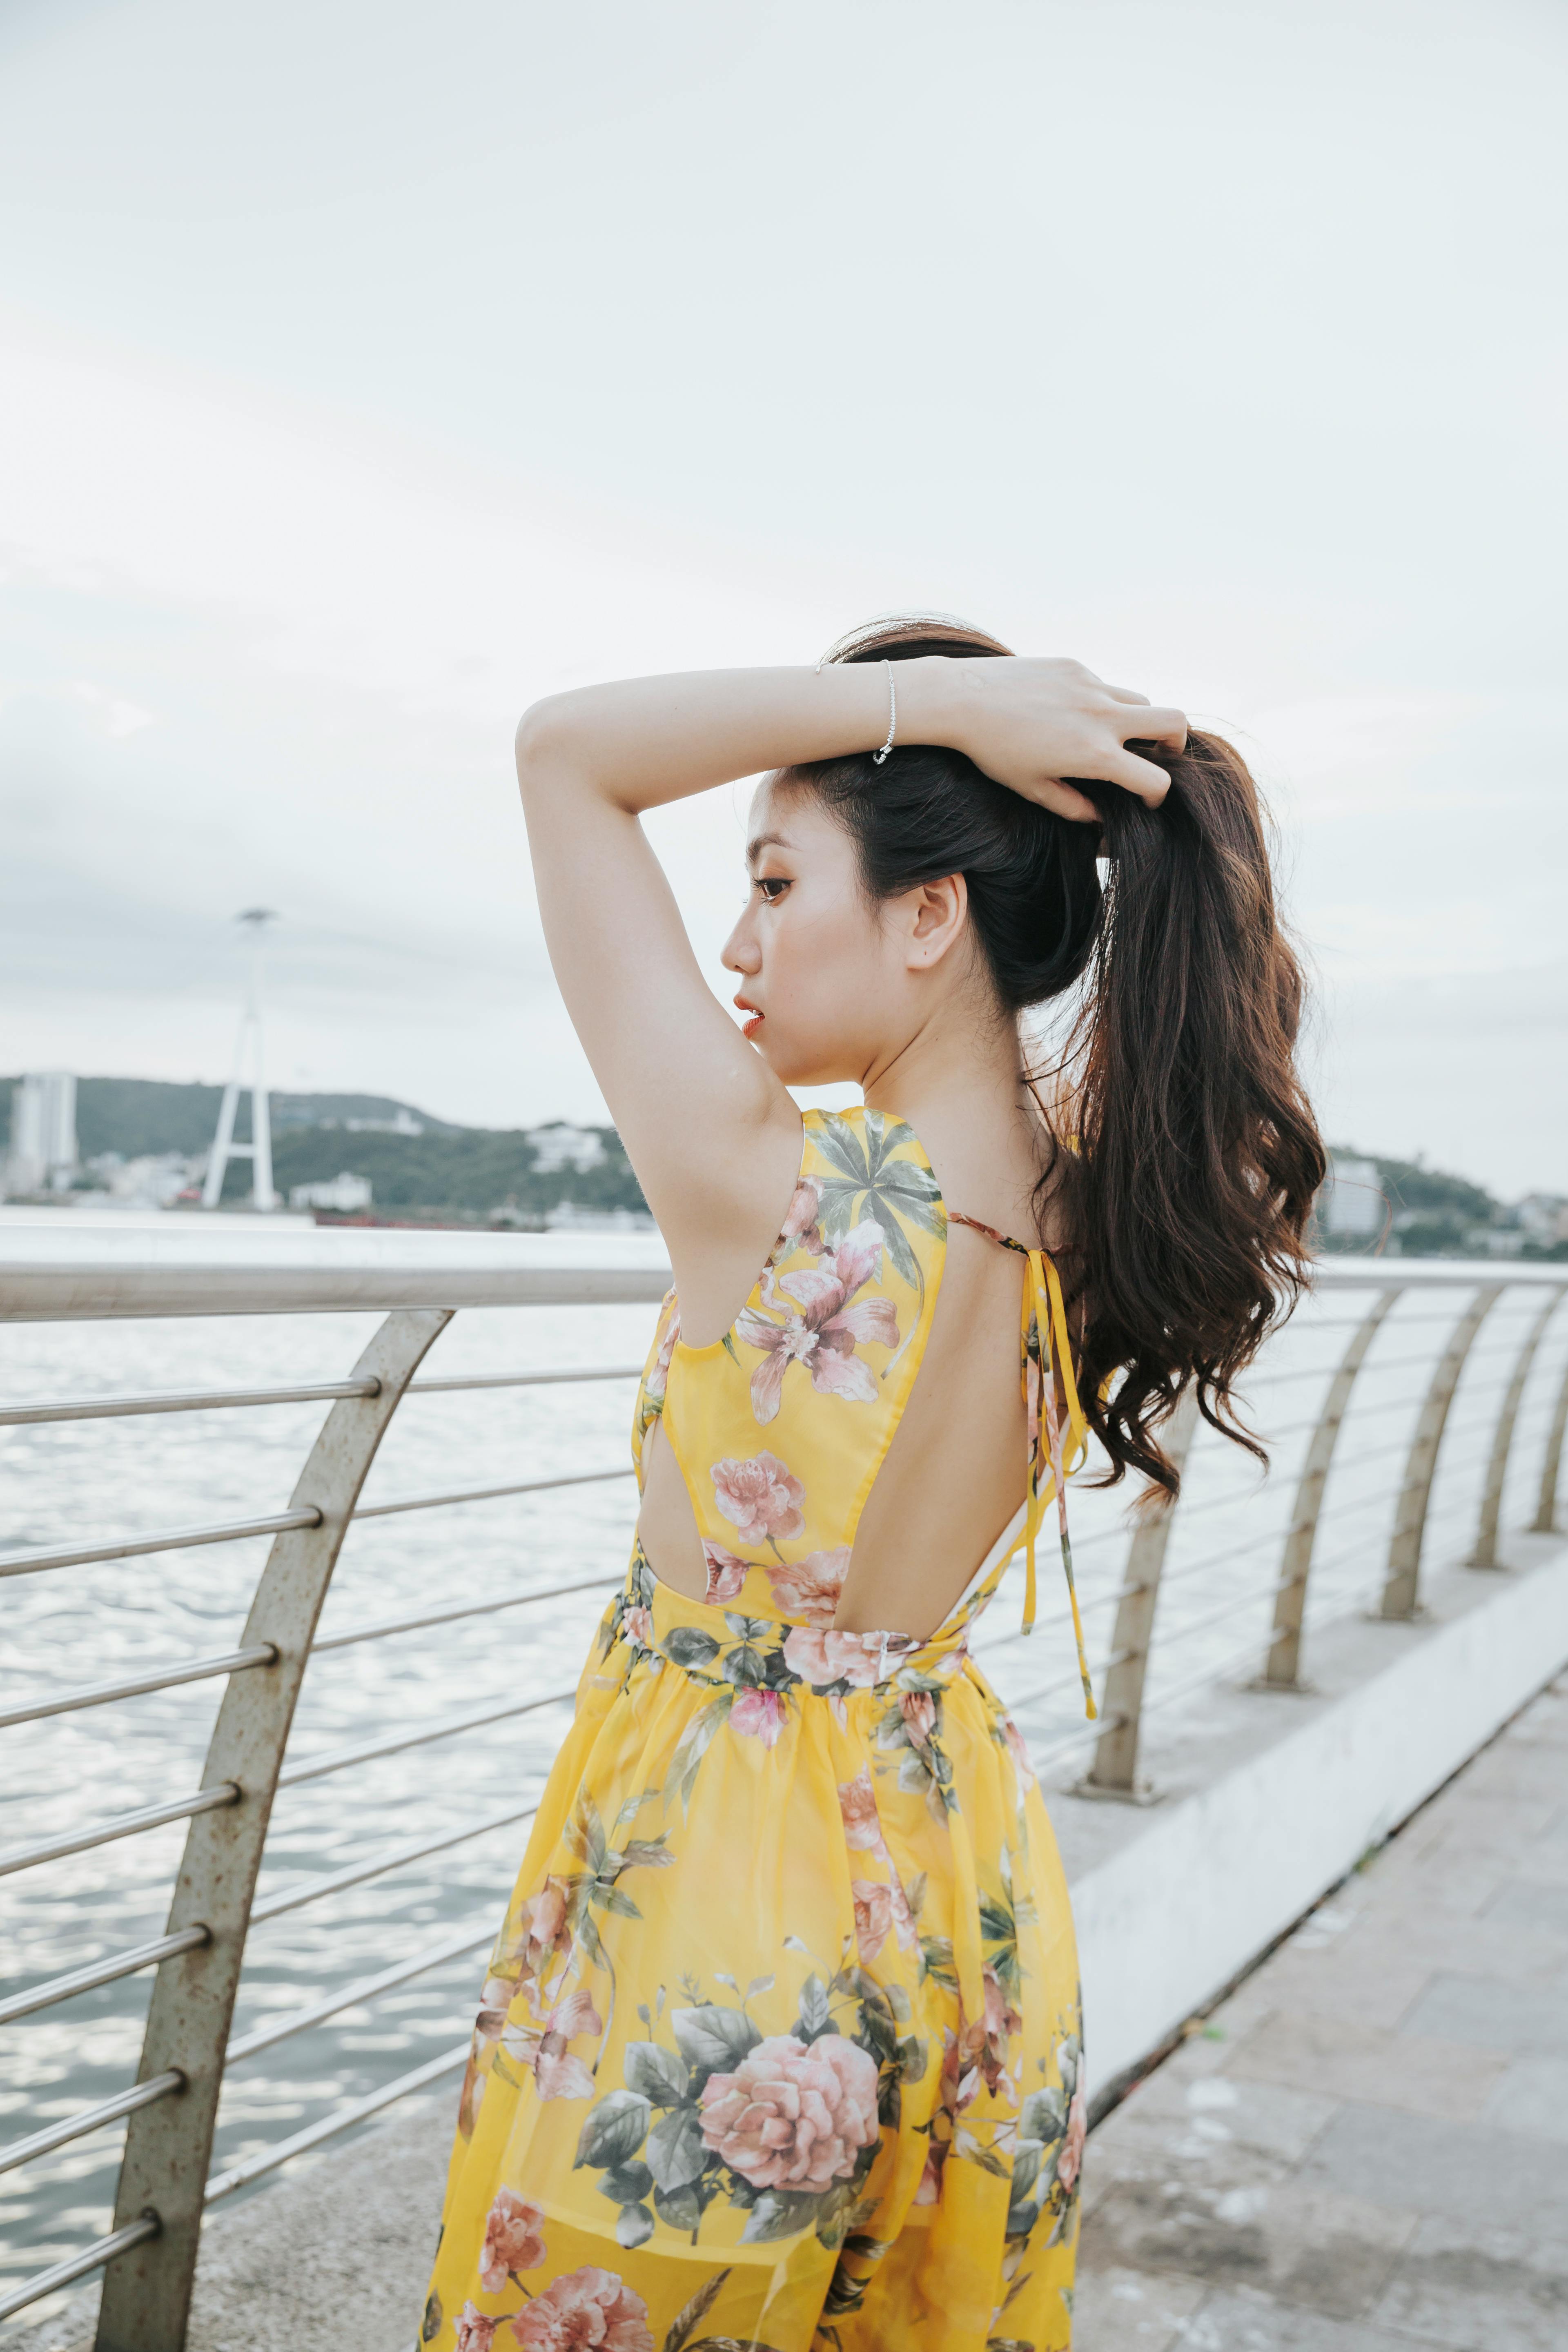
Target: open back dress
780,2043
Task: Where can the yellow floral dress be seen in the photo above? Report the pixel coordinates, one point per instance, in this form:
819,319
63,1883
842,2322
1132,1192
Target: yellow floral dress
780,2045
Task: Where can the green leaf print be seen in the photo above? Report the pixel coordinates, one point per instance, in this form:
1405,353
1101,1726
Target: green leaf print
778,2214
614,2130
675,2154
714,2039
816,2015
658,2074
679,2209
870,1183
691,1749
689,1646
635,2226
626,2184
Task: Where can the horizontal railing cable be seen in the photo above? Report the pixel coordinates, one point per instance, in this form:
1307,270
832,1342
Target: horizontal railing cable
184,1538
315,1768
90,2119
267,2160
92,2258
470,1609
50,1989
195,1670
161,1540
121,1825
121,1408
522,1380
366,1988
489,1494
294,1896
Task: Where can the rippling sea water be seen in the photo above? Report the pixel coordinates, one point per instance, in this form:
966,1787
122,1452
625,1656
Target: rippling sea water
73,1626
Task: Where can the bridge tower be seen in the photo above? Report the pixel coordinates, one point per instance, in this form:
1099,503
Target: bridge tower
248,1049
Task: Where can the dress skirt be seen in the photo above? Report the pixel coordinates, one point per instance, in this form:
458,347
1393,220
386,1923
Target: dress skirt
780,2043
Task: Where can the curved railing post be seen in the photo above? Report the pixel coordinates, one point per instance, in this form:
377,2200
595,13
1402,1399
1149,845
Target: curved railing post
1544,1523
168,2147
1283,1669
1485,1552
1402,1586
1114,1771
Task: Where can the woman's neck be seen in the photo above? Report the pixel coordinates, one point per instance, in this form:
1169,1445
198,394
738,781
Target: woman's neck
958,1082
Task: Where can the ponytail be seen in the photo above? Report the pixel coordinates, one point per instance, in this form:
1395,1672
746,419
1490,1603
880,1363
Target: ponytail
1197,1152
1190,1156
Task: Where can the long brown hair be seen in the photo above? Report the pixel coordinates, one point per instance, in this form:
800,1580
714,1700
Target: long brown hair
1189,1174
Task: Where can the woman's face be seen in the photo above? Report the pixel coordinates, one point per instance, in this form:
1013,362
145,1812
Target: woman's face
831,986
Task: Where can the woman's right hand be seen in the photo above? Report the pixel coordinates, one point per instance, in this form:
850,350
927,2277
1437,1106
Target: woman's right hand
1031,724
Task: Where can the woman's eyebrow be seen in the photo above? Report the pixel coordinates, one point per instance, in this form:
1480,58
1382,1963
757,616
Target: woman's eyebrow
764,841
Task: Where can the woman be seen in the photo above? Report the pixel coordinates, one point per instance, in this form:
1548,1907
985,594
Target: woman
780,2043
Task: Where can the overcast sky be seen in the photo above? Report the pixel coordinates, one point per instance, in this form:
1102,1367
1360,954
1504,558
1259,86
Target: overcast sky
366,370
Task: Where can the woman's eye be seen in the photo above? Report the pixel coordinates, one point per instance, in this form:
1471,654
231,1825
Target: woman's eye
773,889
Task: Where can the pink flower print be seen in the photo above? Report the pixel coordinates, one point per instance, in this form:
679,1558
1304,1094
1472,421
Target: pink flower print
726,1573
810,1588
919,1711
513,2240
475,2332
1070,2163
822,1326
873,1915
534,1938
589,2310
819,1657
758,1497
1002,2026
655,1379
543,2046
792,2117
638,1623
759,1714
858,1803
1017,1750
800,1226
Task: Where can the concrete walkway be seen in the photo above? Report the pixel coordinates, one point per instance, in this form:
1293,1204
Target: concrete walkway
1366,2149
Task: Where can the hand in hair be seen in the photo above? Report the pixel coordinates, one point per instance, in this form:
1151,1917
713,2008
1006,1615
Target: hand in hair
1033,725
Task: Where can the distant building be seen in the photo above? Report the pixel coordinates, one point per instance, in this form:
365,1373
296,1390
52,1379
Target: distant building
1351,1200
401,1122
345,1194
560,1145
1544,1217
43,1132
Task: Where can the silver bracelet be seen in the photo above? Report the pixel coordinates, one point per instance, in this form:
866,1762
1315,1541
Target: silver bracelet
877,757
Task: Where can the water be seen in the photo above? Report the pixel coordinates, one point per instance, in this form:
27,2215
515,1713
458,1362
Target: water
88,1624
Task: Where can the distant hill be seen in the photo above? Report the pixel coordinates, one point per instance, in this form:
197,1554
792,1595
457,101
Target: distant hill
446,1172
138,1115
465,1171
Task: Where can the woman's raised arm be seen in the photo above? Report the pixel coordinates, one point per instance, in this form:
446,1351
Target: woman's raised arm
710,1130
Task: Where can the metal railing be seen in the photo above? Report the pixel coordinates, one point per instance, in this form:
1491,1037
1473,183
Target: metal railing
417,1282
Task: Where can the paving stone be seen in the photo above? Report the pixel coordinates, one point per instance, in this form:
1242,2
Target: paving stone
1494,2014
1211,2109
1516,1768
1482,2174
1365,1980
1532,2096
1528,1901
1119,2310
1483,1946
1484,2290
1240,2321
1336,2059
1314,2248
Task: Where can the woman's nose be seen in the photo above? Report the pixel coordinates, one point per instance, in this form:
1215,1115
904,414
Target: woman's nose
741,953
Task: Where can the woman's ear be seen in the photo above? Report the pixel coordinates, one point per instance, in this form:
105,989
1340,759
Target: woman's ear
937,916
